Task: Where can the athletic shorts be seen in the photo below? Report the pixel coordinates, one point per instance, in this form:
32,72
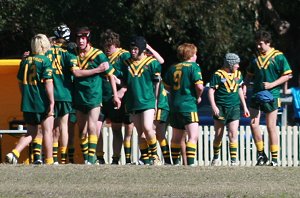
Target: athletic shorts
228,114
34,118
162,115
115,115
85,108
72,116
265,107
179,120
62,108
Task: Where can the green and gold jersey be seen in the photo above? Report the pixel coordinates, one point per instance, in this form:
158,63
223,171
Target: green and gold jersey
268,68
33,72
227,87
62,62
139,77
181,79
163,102
116,60
88,90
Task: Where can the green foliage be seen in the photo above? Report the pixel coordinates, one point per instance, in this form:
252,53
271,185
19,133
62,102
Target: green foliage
215,26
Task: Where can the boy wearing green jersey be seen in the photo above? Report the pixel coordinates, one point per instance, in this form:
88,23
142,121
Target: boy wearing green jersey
225,94
184,82
269,70
110,42
140,74
37,105
87,96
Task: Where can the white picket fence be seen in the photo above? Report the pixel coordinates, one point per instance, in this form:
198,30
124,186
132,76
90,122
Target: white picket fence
288,146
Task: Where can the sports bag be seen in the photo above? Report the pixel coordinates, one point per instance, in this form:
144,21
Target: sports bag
264,96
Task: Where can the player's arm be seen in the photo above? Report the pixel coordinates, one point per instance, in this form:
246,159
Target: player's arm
116,99
155,54
211,98
77,72
50,95
199,90
279,81
243,101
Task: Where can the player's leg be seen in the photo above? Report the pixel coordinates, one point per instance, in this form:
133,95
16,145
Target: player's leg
183,148
64,136
271,119
257,136
93,116
82,126
160,128
233,139
219,131
47,128
37,144
117,141
127,141
192,130
176,145
147,122
13,156
56,134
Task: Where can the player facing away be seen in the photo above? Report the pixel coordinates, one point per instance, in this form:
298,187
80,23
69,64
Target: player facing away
268,71
37,104
62,62
184,82
225,94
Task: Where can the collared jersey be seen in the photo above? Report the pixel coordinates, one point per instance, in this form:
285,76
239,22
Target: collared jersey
62,62
33,72
226,87
181,79
116,60
268,68
88,90
139,77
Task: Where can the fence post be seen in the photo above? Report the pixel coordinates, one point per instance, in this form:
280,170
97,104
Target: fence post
242,146
295,145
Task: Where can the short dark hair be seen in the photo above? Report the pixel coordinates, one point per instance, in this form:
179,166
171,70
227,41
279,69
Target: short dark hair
263,36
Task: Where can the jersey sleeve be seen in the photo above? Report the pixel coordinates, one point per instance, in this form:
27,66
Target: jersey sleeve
47,69
196,74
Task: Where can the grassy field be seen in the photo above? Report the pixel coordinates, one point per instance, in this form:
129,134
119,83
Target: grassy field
147,181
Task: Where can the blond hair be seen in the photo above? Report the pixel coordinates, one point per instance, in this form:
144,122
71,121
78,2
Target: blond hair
185,51
40,44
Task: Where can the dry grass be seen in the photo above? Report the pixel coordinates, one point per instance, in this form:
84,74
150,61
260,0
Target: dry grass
148,181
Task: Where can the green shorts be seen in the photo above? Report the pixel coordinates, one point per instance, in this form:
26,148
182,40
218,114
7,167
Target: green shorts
161,115
115,115
72,116
179,120
62,108
85,108
228,114
265,107
34,118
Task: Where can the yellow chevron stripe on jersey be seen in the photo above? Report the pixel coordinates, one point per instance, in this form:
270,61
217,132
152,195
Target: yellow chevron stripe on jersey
112,58
90,55
230,83
139,64
263,60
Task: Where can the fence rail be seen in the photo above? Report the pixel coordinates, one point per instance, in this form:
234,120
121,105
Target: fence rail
247,155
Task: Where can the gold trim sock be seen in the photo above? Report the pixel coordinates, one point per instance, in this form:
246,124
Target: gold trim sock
175,153
55,152
63,154
274,152
191,153
233,151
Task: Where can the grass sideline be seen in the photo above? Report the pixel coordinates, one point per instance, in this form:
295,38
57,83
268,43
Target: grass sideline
147,181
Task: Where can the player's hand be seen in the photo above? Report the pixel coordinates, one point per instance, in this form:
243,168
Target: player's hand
216,111
267,85
102,67
117,102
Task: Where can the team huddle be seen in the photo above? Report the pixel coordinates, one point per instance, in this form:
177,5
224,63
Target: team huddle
64,83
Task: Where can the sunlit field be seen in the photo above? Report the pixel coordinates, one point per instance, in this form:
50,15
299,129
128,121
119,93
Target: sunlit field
147,181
